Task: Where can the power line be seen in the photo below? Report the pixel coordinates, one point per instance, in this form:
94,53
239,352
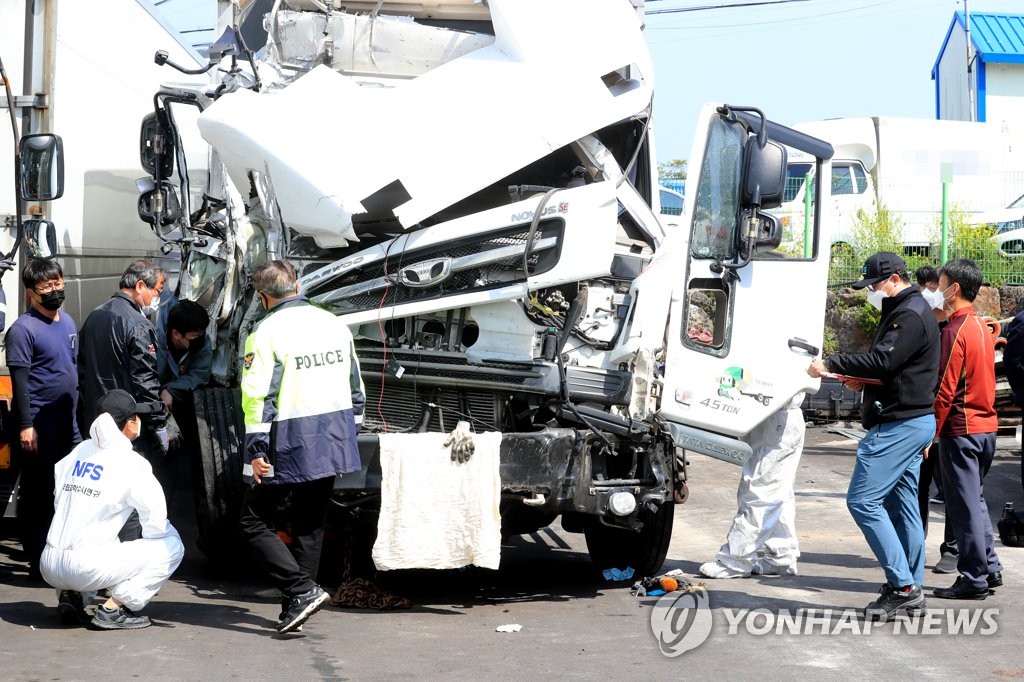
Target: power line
702,8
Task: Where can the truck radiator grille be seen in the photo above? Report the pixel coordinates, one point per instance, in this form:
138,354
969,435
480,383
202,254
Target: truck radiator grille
453,267
405,408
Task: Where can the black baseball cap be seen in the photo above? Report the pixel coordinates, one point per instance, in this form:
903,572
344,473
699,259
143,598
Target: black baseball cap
120,405
882,265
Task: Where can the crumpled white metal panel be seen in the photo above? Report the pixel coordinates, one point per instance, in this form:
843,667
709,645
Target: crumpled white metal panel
328,143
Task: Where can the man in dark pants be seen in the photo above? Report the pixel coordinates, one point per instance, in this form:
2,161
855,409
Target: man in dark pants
899,415
302,396
42,349
966,421
118,350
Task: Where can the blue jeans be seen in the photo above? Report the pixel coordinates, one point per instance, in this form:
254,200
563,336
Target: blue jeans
882,497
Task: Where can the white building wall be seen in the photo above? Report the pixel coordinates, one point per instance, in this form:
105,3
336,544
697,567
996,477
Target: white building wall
954,103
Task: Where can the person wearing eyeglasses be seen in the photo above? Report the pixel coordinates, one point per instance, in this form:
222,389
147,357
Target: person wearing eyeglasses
901,371
42,351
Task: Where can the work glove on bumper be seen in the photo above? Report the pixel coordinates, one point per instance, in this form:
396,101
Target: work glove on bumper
461,442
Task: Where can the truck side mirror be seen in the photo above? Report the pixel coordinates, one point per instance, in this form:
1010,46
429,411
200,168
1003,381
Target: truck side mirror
156,145
764,174
41,169
40,238
159,206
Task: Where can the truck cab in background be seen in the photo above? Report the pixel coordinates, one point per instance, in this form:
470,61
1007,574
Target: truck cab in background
901,164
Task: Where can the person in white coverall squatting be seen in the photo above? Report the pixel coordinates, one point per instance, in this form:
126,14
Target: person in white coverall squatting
766,517
97,487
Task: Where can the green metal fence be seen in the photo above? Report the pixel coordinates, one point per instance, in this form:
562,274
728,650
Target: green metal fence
928,222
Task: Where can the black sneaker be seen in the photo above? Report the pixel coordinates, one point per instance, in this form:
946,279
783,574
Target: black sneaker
892,600
71,609
301,608
947,563
285,603
121,618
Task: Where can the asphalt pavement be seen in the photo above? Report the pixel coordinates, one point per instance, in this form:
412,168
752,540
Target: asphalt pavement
574,623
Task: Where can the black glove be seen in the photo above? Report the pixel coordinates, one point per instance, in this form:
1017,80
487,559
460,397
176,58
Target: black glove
461,442
5,265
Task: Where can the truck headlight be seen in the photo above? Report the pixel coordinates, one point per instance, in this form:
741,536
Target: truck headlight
622,504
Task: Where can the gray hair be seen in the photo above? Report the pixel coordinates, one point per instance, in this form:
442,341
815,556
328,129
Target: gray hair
145,271
276,278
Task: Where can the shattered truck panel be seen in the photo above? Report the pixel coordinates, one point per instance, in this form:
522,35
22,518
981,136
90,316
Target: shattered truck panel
472,188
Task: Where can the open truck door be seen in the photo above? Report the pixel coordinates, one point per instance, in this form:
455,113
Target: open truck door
747,311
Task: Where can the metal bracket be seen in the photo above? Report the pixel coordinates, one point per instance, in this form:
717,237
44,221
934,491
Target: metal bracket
40,100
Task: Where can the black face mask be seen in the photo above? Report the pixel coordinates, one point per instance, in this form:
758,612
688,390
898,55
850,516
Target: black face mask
52,300
196,345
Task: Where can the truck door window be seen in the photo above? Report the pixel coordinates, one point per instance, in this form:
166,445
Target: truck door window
716,206
707,314
795,175
860,178
842,180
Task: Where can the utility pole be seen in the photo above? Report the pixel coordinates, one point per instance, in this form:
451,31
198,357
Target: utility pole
970,85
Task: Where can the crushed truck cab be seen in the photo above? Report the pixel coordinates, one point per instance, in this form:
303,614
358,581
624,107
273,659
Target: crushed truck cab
473,189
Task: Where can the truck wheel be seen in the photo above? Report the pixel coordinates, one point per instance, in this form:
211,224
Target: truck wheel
645,551
219,488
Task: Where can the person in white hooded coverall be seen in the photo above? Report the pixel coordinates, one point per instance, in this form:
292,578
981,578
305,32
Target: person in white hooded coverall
766,515
97,487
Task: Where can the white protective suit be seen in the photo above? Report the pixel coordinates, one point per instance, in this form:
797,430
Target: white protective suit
766,514
96,488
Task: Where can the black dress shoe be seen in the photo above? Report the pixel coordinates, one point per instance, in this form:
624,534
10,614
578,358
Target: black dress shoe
961,589
995,580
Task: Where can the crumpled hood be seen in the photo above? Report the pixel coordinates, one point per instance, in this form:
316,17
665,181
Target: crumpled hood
105,434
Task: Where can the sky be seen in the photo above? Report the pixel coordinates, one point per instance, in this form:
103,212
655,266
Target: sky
797,61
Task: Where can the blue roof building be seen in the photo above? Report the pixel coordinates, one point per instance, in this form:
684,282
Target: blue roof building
991,88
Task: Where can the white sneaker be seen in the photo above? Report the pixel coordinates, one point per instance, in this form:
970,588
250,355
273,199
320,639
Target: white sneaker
766,567
713,569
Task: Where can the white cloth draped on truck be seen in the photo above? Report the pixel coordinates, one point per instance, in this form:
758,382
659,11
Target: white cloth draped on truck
436,513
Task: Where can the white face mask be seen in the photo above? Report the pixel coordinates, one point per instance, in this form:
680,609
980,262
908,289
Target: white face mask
935,298
875,298
153,306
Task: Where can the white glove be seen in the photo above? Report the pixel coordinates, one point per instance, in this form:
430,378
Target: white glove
163,438
461,442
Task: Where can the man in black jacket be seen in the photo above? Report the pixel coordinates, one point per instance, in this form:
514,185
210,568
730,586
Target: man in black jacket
900,374
118,350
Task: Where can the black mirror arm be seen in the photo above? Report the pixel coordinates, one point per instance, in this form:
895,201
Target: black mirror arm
161,57
751,240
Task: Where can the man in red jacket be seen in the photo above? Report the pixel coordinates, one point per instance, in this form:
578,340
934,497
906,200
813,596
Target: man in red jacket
966,423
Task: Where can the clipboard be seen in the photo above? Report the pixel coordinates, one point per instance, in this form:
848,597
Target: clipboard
844,378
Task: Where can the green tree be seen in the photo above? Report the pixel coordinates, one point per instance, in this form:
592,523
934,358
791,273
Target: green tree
672,170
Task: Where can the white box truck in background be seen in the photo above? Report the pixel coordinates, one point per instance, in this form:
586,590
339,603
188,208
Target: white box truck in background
901,163
86,73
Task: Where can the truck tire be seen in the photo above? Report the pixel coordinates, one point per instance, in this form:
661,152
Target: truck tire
644,551
219,487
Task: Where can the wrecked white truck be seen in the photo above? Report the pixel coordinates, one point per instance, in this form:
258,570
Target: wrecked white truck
473,188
